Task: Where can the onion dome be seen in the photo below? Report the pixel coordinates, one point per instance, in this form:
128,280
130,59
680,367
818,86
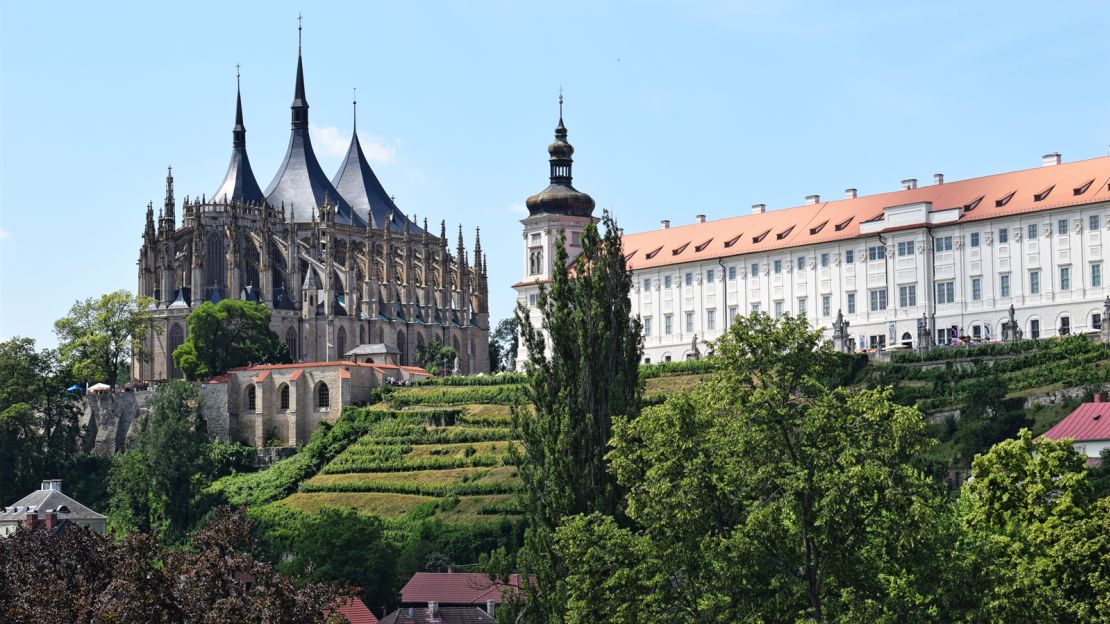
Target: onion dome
360,187
560,197
300,182
239,184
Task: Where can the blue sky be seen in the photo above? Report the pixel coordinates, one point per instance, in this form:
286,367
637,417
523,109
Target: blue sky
674,109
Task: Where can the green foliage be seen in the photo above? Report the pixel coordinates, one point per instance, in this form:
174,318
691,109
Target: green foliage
415,487
688,367
341,546
590,379
498,379
761,495
282,478
225,335
1037,534
436,358
156,487
495,394
504,341
100,334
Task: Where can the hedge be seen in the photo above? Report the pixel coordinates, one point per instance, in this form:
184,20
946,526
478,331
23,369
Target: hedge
353,465
498,379
416,487
499,395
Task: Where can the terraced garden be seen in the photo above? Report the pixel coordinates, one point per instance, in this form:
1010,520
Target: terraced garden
438,454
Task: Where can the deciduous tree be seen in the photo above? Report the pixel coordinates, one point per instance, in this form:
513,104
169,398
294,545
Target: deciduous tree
227,334
100,334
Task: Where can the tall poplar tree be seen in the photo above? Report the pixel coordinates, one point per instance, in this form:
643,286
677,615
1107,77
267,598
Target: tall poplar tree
583,372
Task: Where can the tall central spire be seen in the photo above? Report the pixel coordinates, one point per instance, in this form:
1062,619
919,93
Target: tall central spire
239,132
560,197
300,102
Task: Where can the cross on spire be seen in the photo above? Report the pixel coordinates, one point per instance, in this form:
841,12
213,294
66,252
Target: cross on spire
354,107
298,33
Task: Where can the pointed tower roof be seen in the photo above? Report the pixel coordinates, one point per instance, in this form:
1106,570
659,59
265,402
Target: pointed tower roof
300,181
239,183
560,197
357,183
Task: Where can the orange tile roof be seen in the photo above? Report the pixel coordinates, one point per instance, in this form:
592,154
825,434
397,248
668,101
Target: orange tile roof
1005,194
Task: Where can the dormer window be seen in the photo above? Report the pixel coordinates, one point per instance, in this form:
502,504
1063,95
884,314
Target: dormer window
817,229
1083,188
783,234
1043,194
843,224
651,254
680,249
702,246
730,243
759,239
973,205
1005,200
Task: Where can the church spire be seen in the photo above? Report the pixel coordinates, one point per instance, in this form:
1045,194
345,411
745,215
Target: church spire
239,132
560,197
168,208
300,102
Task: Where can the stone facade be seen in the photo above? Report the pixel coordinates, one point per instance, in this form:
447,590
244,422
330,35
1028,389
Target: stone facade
281,405
338,264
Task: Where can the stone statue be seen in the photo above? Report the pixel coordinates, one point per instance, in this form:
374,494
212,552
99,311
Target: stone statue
841,339
695,352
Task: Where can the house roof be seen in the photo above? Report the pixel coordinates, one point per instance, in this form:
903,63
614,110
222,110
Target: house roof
1005,194
456,588
303,365
1089,422
48,500
356,612
372,349
445,615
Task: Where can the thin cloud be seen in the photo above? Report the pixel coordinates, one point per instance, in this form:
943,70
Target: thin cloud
4,234
332,141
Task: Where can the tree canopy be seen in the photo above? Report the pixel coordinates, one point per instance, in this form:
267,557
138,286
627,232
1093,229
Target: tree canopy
436,357
503,343
583,374
102,334
225,335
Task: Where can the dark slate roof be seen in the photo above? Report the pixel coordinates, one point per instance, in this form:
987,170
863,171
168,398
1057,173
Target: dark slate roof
358,184
239,184
300,183
446,615
42,500
372,349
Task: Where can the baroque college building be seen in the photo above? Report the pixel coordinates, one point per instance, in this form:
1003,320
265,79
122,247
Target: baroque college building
917,267
335,259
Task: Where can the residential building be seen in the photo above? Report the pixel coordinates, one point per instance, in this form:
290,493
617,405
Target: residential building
1088,428
50,508
355,612
435,614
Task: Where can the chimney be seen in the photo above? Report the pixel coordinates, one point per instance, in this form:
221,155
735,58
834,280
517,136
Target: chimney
56,485
700,218
620,232
665,224
812,199
32,521
850,193
909,184
46,485
51,520
1050,159
938,178
759,208
490,606
433,608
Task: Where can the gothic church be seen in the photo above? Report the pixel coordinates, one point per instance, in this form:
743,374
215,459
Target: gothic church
338,263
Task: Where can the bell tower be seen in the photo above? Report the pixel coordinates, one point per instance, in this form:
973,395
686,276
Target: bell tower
558,209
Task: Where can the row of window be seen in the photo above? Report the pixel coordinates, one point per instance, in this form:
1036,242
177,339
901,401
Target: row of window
323,396
878,252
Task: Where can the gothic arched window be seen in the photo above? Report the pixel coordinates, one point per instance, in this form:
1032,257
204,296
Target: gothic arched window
402,346
291,342
173,341
341,343
323,395
284,396
252,403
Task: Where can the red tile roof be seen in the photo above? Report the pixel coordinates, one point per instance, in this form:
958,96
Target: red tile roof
356,612
270,367
1005,194
1089,422
456,588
